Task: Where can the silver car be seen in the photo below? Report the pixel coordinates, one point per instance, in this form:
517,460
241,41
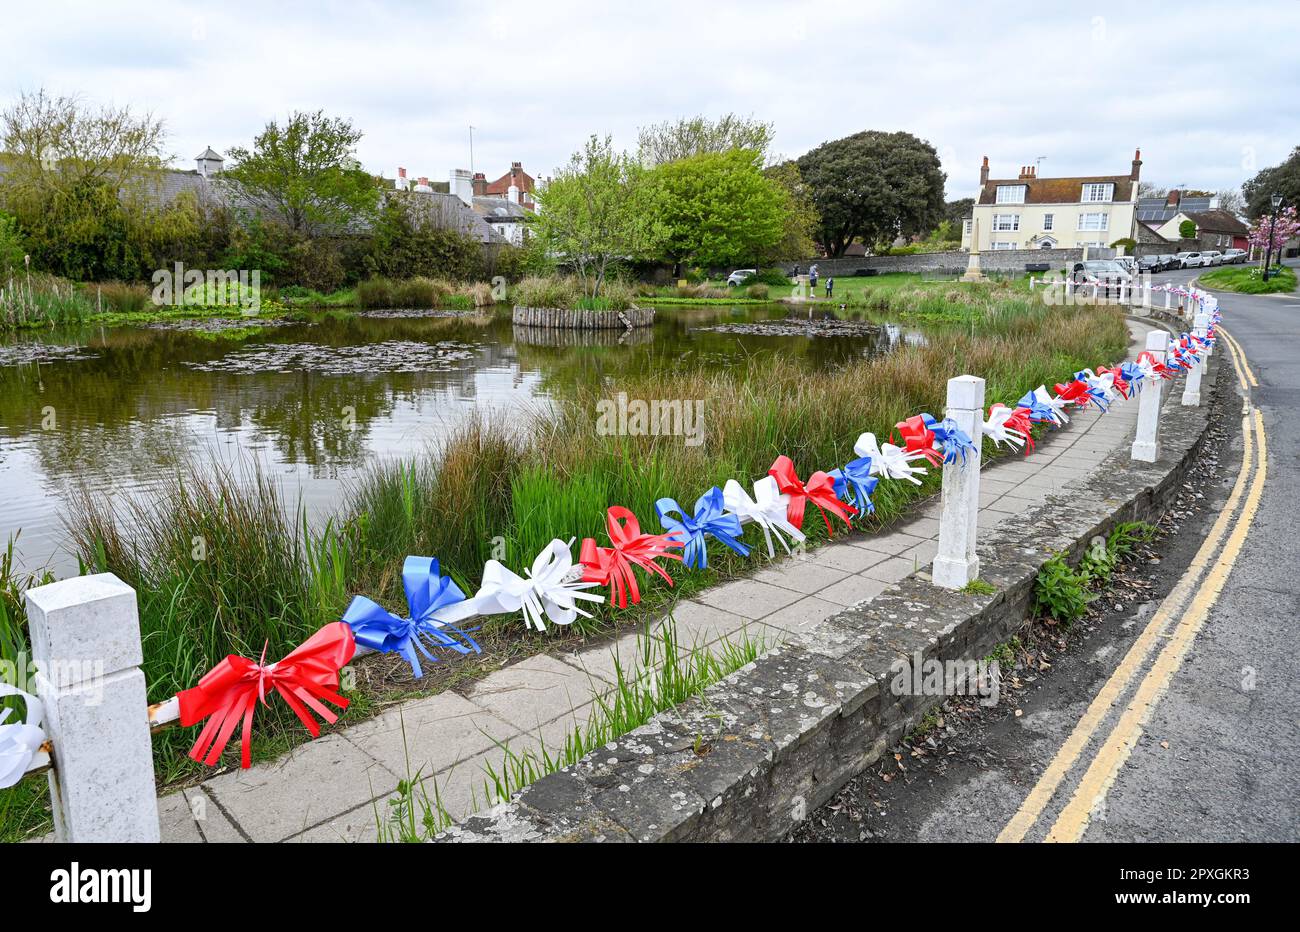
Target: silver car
1213,257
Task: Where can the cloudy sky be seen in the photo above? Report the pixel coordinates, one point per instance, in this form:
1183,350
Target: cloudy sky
1207,89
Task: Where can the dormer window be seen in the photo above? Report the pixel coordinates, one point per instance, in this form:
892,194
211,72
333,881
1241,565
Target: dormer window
1011,193
1098,193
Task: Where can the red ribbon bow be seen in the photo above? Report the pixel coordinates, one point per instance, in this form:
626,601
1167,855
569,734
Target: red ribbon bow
1019,422
820,490
613,565
230,691
1158,367
1076,392
1120,383
917,438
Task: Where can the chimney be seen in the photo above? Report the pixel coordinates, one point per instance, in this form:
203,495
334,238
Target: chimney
1027,172
401,184
1137,164
462,185
1174,199
984,172
480,184
422,185
512,194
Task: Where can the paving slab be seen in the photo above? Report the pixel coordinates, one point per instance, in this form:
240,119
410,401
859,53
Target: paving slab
431,734
748,598
531,692
310,784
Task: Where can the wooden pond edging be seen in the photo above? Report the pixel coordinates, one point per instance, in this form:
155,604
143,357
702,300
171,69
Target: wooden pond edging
555,318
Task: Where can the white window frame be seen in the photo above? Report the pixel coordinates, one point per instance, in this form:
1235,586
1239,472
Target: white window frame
1086,227
1048,220
1011,194
1098,193
1003,245
1006,223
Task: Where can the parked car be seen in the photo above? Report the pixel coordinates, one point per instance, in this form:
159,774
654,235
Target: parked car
1234,256
1170,261
739,277
1213,257
1107,274
1151,264
1188,260
1127,263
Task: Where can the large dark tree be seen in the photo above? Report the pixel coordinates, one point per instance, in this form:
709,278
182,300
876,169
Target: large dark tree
874,185
1281,179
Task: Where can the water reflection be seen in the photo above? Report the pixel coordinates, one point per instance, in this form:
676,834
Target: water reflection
121,410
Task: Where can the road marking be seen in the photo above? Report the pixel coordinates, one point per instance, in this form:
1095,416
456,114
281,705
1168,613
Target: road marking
1105,767
1245,364
1172,606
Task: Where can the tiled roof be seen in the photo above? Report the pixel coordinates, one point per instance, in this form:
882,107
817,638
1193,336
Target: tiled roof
1058,190
520,179
1217,221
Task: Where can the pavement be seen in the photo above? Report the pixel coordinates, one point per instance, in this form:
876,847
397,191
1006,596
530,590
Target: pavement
332,789
1215,757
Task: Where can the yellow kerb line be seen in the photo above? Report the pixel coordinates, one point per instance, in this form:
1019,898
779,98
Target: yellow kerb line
1106,766
1064,760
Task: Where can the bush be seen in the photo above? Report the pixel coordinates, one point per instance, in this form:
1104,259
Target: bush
774,277
547,291
1060,591
758,291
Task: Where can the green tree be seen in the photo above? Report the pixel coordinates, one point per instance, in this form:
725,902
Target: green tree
405,243
715,208
874,185
681,139
12,248
592,213
799,235
306,172
1283,179
1187,229
955,212
84,184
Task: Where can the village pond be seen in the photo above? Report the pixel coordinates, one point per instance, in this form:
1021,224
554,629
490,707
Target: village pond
313,402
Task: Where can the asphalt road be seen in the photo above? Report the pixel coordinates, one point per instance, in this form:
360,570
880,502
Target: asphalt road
1218,759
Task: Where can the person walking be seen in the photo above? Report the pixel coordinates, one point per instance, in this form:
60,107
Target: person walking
830,286
812,281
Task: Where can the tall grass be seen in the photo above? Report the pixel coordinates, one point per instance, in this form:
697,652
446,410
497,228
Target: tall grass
567,293
38,300
422,293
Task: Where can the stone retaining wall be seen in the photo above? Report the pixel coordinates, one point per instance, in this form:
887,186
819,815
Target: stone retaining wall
555,318
943,263
760,750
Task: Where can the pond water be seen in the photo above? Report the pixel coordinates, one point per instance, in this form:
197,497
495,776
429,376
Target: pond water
118,411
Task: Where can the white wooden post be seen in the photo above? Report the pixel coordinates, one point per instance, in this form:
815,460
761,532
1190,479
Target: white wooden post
1169,297
86,646
1192,386
956,563
1146,446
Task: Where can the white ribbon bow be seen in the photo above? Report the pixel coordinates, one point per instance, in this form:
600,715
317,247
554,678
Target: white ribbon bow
19,742
1057,407
767,509
551,590
1104,382
995,428
889,461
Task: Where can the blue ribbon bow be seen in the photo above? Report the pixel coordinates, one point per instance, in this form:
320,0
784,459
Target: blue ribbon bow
426,593
1096,395
709,519
855,484
1132,373
1039,411
956,442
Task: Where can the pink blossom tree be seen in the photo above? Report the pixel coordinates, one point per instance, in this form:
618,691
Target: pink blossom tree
1265,235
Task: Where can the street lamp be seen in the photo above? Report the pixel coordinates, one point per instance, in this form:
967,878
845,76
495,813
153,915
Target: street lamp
1272,229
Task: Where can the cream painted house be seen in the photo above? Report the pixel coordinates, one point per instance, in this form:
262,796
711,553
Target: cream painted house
1029,212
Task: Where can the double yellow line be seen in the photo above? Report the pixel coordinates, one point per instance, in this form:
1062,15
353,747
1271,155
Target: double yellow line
1178,620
